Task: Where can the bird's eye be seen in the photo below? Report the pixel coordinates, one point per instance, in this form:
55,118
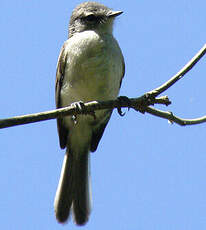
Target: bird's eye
91,18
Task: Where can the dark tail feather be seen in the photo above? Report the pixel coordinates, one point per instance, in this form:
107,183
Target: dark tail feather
74,188
63,198
81,197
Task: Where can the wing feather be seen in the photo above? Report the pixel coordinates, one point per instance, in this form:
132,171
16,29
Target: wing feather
63,132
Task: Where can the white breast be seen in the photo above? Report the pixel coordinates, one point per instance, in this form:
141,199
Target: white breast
93,68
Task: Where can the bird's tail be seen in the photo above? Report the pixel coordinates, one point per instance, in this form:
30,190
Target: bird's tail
74,188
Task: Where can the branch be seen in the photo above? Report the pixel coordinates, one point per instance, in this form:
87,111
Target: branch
180,74
141,104
174,119
71,110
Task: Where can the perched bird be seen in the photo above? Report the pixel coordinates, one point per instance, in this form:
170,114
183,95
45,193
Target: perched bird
90,67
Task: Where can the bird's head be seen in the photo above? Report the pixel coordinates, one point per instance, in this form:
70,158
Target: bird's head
92,16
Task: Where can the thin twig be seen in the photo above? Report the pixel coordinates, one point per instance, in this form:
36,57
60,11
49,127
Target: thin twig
180,74
172,118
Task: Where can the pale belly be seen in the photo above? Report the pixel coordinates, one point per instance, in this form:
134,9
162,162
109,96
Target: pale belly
93,70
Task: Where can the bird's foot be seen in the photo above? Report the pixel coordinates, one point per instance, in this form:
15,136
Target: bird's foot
79,105
122,100
81,109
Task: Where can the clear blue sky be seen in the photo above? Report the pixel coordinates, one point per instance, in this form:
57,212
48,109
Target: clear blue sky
146,174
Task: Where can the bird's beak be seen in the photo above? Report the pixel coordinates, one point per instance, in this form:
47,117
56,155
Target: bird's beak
114,13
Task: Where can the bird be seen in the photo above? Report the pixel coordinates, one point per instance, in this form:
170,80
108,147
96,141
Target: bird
90,67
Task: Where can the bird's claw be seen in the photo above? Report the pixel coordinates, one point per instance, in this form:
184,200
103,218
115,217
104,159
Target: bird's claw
119,110
80,106
122,100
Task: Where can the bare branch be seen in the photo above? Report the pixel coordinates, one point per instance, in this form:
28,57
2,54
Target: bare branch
180,74
71,110
172,118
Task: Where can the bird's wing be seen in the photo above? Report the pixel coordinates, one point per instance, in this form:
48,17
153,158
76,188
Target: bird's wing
123,71
63,132
98,132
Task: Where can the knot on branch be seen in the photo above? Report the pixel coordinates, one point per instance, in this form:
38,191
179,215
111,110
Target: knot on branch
146,100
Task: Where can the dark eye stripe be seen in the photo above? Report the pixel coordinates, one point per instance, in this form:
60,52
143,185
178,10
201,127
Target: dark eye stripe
91,18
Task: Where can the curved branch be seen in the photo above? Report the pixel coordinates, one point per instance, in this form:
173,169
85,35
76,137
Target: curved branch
172,118
180,74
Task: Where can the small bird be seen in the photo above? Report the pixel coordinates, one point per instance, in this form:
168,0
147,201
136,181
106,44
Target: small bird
90,67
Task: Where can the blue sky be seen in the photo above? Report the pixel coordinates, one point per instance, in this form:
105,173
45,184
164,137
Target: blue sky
146,174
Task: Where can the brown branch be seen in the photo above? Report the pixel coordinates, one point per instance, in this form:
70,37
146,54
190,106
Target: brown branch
71,110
